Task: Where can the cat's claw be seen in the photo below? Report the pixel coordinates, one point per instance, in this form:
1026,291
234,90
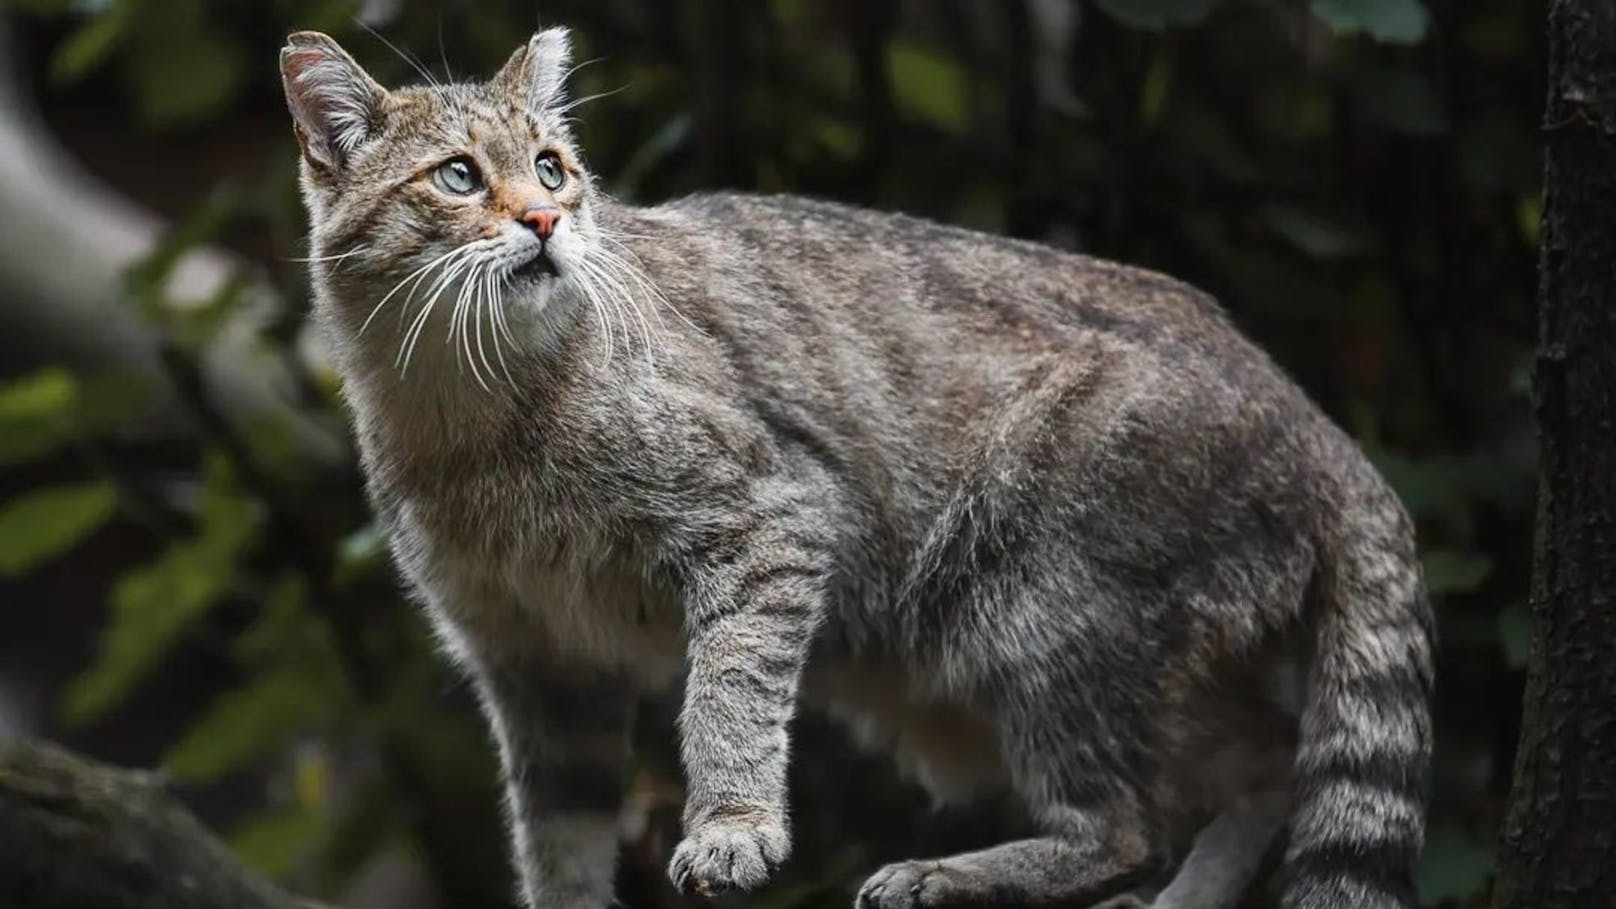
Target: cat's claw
725,856
917,885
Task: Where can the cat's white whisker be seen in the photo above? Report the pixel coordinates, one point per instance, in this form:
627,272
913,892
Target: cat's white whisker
658,300
450,269
577,102
615,317
410,59
496,317
464,310
616,234
590,62
499,311
635,270
625,277
419,275
413,336
613,294
479,300
453,325
623,293
586,289
337,257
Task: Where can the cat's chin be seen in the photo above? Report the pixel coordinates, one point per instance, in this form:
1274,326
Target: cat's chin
539,269
532,292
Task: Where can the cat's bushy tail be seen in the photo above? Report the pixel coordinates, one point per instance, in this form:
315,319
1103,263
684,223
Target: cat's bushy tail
1364,752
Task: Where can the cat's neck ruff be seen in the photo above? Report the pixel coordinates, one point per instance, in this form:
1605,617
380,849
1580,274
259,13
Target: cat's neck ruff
419,384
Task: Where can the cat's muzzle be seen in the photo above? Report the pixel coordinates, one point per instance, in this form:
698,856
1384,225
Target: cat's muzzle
540,266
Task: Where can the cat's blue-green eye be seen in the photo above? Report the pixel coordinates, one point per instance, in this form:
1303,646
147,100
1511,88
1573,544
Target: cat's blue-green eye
458,176
550,171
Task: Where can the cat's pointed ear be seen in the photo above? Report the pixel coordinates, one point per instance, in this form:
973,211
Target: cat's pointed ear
536,74
335,105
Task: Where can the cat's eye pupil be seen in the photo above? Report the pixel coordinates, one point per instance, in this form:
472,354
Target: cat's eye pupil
551,173
458,176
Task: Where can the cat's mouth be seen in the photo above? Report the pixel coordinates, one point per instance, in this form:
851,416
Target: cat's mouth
539,267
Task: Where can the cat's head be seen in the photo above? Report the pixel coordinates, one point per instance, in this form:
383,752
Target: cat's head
453,193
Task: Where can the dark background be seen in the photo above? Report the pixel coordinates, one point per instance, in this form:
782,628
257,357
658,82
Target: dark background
190,579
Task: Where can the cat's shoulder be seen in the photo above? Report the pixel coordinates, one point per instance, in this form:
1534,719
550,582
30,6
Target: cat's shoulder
735,203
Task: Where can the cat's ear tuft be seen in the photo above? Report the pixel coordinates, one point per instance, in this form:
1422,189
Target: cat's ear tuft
335,105
537,73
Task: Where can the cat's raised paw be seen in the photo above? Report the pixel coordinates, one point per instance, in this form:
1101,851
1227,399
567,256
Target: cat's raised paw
725,856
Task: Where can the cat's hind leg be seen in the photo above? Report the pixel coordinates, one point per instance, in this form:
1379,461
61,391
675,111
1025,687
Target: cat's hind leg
1223,862
1097,844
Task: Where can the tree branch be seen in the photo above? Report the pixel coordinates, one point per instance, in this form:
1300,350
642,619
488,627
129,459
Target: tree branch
82,835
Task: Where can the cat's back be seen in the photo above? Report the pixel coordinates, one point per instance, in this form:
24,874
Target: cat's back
970,287
938,351
951,324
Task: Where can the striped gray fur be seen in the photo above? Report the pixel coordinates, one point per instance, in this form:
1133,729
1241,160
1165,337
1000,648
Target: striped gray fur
1032,521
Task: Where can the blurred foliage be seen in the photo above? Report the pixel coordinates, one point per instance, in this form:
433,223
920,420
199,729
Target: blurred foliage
1358,180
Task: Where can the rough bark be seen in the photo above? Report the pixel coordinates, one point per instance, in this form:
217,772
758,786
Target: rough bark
1559,842
80,835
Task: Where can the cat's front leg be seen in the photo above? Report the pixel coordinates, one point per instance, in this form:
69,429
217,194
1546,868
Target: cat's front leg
756,597
563,736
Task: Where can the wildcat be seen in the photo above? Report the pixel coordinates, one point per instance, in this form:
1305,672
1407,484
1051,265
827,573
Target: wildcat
1027,519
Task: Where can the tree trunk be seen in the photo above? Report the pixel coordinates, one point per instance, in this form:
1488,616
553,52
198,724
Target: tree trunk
78,835
1559,841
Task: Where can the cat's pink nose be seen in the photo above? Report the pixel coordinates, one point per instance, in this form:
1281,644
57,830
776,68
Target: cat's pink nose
542,218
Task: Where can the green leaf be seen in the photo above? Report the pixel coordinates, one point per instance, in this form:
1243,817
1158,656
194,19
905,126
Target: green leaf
151,607
1156,89
790,10
297,691
1156,15
1392,21
247,725
838,138
272,844
46,522
284,628
89,47
1449,571
37,414
1529,218
47,393
365,822
928,85
182,67
1317,235
154,605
